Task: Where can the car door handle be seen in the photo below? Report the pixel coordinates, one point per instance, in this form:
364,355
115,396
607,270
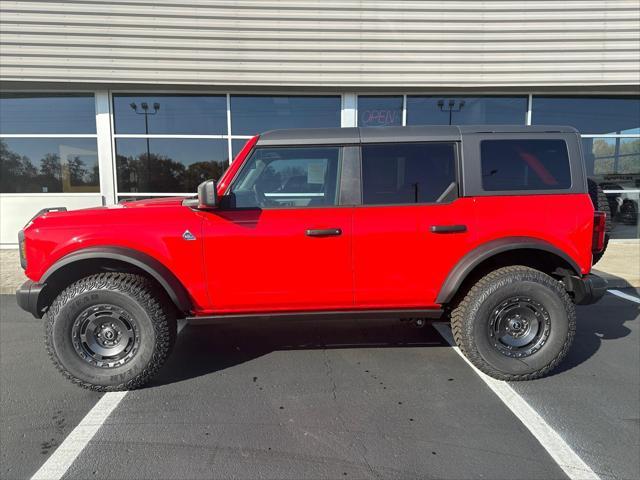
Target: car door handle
324,232
448,228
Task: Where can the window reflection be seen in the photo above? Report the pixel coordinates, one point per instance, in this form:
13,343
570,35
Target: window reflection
509,165
288,177
47,113
170,114
450,110
406,173
168,165
253,114
614,163
613,159
589,115
48,165
624,206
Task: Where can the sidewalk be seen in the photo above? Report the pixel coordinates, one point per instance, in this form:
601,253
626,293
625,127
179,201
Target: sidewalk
620,266
11,275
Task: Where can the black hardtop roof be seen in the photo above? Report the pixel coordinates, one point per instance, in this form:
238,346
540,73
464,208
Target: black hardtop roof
326,136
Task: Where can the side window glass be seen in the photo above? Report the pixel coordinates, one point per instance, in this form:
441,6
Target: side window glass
402,173
524,165
288,177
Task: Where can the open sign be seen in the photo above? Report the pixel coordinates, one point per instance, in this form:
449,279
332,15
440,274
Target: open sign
380,118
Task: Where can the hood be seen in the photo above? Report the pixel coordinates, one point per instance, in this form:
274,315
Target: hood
97,213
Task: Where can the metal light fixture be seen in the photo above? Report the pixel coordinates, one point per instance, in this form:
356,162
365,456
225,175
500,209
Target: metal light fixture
450,107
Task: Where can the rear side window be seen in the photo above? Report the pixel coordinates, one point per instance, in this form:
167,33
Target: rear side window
402,173
524,165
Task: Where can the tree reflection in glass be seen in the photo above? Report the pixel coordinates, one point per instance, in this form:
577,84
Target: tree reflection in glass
172,166
70,166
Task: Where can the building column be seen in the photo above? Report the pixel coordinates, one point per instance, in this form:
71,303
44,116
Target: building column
105,148
349,110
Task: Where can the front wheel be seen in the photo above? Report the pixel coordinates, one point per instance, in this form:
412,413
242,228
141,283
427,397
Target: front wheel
516,323
110,331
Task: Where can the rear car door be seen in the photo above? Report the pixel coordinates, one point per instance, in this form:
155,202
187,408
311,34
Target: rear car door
411,228
280,241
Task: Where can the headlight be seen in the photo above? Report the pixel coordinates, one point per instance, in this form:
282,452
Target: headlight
23,250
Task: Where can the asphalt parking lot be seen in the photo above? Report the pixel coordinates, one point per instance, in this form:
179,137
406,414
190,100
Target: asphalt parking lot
327,400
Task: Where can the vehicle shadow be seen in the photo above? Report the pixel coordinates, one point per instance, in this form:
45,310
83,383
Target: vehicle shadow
597,323
205,349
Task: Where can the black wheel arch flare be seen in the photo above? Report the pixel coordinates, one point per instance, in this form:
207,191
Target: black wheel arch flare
153,267
486,251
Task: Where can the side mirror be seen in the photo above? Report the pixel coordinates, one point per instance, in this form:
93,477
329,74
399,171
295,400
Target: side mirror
207,195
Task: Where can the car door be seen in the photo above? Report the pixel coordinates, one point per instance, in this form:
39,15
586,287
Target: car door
411,227
280,242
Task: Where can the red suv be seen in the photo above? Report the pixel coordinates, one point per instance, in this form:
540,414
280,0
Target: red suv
490,227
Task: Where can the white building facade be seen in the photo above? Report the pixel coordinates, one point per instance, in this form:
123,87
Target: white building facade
112,100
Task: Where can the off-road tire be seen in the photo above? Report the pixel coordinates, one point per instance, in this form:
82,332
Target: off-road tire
470,322
152,312
600,203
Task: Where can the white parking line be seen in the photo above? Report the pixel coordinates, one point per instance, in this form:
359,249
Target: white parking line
551,441
58,463
626,296
64,456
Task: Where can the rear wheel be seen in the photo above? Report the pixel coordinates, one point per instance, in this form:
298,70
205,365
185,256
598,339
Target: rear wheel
516,323
110,331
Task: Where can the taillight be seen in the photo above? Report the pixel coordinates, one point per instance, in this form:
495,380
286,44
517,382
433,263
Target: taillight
599,223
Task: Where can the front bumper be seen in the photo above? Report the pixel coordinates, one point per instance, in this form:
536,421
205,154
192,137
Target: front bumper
27,297
587,289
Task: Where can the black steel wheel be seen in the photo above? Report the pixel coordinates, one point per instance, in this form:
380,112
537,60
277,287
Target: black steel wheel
515,323
106,336
519,327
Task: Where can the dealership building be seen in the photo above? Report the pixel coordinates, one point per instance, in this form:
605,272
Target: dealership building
112,100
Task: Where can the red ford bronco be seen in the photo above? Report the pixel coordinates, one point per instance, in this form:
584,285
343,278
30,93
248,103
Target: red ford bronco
490,227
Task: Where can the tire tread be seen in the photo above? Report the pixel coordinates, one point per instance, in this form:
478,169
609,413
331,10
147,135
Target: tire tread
462,321
139,289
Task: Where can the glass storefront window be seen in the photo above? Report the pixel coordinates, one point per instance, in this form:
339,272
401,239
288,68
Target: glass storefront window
459,110
253,114
170,114
590,115
376,111
49,165
623,205
168,165
614,162
236,146
47,113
